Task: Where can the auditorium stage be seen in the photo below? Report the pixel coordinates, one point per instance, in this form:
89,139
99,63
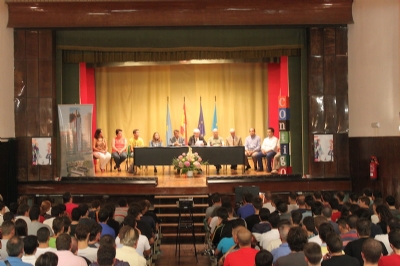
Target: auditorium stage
167,182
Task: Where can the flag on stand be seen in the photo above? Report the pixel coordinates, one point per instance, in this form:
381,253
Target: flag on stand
184,123
169,127
215,119
200,126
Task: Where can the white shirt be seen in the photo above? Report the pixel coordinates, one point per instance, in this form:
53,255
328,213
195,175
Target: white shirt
274,244
142,245
375,219
268,237
89,253
315,239
49,222
29,259
292,207
270,144
130,255
385,240
40,251
26,219
269,206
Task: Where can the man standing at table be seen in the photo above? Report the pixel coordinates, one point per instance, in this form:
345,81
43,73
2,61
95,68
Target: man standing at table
197,139
268,149
216,141
252,147
176,140
234,140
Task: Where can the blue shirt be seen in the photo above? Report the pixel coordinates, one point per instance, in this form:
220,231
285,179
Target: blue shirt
225,244
283,250
15,261
107,230
245,211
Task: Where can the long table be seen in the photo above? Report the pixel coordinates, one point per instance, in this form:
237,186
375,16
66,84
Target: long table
212,155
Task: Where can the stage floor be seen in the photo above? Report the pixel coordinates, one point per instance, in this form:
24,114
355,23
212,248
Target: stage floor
168,178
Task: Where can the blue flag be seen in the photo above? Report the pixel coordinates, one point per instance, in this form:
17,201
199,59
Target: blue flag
169,127
200,126
215,120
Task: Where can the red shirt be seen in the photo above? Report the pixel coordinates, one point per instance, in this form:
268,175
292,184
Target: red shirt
390,260
242,257
69,207
335,216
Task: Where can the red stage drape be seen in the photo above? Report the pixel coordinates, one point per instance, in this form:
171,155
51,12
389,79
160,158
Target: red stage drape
87,90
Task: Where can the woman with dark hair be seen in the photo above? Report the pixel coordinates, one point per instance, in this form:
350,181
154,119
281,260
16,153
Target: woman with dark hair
155,142
47,259
384,216
119,145
100,149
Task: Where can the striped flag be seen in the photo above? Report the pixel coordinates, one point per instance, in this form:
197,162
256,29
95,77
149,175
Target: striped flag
215,119
169,127
184,123
200,126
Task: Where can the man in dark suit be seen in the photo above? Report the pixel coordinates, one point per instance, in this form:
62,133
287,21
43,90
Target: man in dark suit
197,139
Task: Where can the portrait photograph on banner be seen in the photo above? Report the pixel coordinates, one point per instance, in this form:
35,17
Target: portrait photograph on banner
76,140
323,148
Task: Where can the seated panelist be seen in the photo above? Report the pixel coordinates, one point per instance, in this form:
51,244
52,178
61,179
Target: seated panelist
155,142
119,145
135,141
176,140
100,149
216,141
197,139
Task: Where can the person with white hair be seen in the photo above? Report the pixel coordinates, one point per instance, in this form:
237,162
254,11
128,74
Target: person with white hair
197,139
216,141
233,140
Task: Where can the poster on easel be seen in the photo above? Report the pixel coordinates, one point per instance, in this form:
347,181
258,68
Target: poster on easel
76,140
323,148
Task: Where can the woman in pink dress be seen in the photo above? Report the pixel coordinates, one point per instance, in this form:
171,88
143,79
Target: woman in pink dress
119,145
100,149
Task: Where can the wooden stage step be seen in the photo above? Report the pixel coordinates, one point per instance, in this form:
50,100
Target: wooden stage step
176,224
196,205
177,215
180,196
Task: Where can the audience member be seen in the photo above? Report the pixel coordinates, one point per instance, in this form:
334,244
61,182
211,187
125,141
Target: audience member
21,228
323,230
8,230
296,217
47,259
301,201
254,218
143,246
393,224
75,216
106,257
371,252
318,220
111,221
35,225
43,237
66,256
309,226
335,255
121,211
94,236
84,212
384,215
30,246
394,258
103,218
263,258
143,227
297,239
23,213
56,211
245,255
354,248
82,236
312,253
58,229
283,248
227,243
340,197
247,208
128,253
292,198
267,237
391,202
268,203
263,226
68,202
282,208
334,204
15,250
347,228
327,213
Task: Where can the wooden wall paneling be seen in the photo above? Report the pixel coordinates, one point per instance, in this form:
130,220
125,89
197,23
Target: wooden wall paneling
19,44
315,75
46,173
46,117
329,41
46,43
32,117
341,151
20,117
178,13
32,73
316,114
24,148
32,44
330,113
329,75
341,41
342,71
20,78
316,41
342,107
33,172
46,77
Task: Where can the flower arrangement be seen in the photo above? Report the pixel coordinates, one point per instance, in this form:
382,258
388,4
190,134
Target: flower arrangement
188,162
